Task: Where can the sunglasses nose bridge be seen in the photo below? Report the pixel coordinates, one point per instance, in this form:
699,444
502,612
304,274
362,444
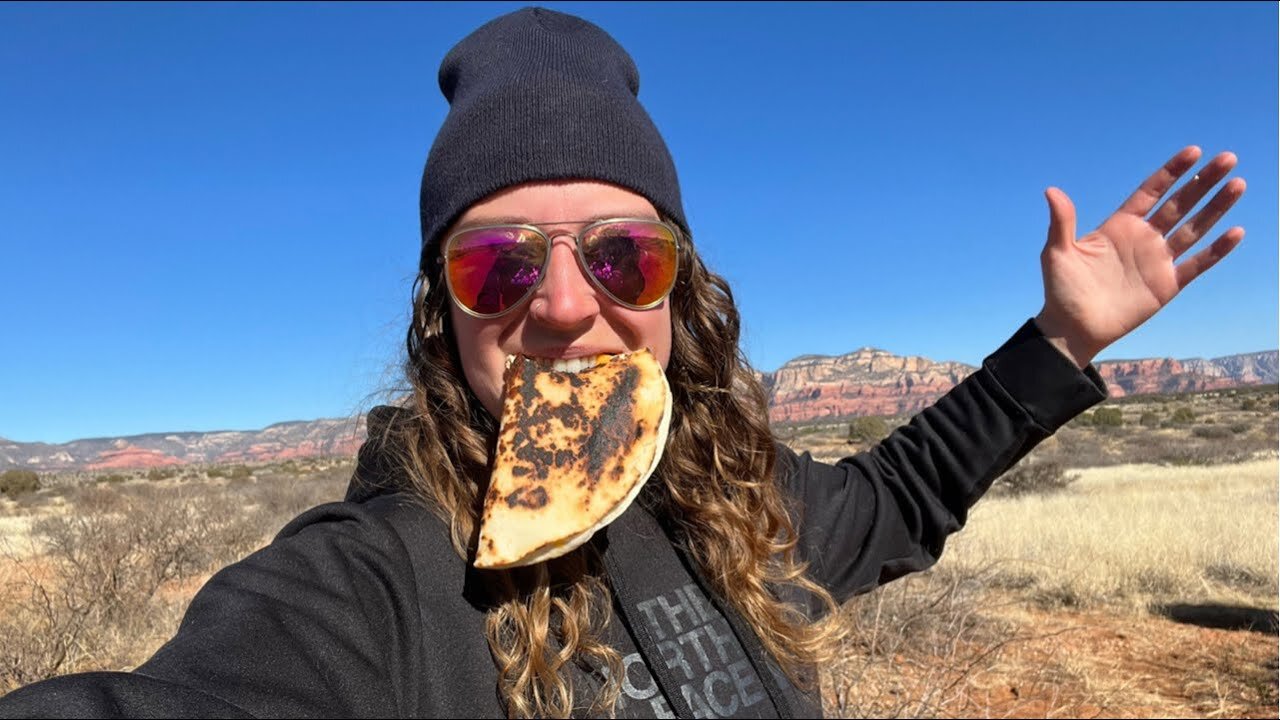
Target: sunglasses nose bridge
553,234
579,259
568,296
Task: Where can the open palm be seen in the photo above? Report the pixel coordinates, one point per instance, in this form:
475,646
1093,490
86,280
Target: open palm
1104,284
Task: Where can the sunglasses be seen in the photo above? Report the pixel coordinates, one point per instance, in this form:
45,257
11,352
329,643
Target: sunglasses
491,270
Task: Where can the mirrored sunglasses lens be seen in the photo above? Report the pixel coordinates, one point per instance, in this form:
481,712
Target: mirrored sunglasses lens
634,261
493,269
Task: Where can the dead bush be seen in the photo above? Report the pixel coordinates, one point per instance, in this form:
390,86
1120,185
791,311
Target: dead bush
912,648
90,598
1033,477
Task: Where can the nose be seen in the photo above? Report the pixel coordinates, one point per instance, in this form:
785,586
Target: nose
566,299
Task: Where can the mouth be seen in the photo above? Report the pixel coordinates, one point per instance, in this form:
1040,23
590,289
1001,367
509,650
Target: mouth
567,365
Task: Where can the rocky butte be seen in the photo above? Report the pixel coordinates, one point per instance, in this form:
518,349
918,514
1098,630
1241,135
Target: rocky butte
874,382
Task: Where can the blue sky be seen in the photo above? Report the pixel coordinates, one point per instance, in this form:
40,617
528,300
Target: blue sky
208,213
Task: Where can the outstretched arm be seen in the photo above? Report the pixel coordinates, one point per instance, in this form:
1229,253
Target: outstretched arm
887,512
1099,287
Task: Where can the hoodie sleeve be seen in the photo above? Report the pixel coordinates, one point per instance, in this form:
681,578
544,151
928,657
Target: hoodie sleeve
317,624
886,512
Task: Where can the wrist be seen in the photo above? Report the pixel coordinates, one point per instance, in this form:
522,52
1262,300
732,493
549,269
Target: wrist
1069,344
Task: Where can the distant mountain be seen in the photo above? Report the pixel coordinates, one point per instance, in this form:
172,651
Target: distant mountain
864,382
809,388
874,382
282,441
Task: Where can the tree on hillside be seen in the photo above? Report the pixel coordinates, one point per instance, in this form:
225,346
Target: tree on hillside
868,429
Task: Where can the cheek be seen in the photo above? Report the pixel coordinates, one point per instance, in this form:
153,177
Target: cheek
482,360
656,334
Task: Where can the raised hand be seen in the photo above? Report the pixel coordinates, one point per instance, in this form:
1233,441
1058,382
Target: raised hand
1101,286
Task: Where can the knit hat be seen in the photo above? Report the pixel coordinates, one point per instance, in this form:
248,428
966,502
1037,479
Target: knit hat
540,95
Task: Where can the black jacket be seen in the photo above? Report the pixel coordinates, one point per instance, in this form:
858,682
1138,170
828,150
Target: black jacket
362,608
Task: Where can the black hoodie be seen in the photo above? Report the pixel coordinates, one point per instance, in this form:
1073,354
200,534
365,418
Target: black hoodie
362,608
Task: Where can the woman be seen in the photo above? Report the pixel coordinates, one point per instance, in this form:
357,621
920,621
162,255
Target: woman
552,227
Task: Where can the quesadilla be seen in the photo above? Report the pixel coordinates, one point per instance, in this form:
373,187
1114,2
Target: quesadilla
574,450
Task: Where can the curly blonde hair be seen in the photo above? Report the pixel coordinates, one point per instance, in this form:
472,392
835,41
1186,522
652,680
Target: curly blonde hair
715,487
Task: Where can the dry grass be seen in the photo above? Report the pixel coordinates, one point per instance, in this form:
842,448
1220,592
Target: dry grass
1043,606
1135,535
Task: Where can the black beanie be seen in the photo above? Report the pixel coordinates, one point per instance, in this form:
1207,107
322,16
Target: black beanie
540,95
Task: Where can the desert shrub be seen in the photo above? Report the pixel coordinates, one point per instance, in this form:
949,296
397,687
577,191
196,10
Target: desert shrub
1211,432
1083,420
1108,417
1149,419
1237,428
1032,477
113,478
17,482
93,600
1249,404
157,474
936,623
868,429
1183,416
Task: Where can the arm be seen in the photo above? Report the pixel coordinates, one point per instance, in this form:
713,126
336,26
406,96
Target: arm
321,623
887,512
882,514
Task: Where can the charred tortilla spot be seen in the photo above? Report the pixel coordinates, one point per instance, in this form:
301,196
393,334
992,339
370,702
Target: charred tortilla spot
532,498
519,470
565,457
614,424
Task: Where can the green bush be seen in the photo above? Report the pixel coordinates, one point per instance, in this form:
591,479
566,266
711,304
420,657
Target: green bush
17,482
1149,419
113,478
1184,416
868,429
1108,417
1083,420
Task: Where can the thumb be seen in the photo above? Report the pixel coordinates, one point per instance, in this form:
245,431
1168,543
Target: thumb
1062,219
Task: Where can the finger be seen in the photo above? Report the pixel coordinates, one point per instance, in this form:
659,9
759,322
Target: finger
1199,225
1150,192
1208,257
1062,219
1176,207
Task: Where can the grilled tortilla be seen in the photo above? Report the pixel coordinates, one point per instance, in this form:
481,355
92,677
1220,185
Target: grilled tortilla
574,449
